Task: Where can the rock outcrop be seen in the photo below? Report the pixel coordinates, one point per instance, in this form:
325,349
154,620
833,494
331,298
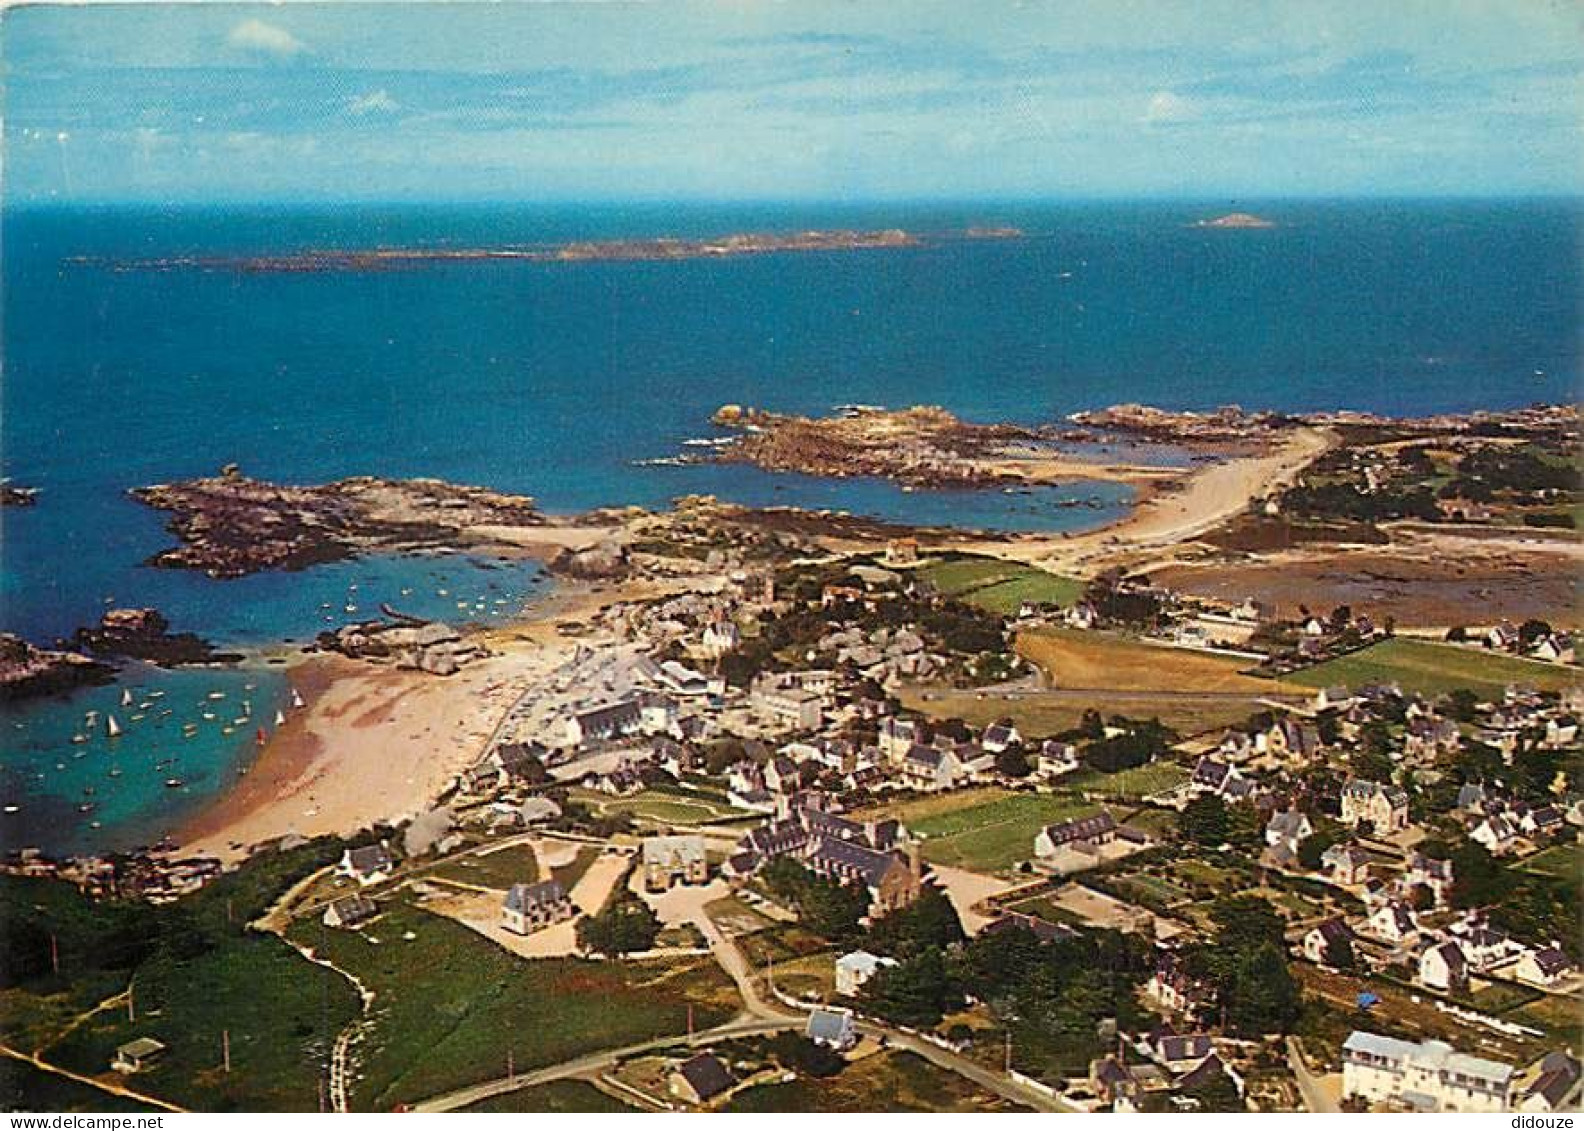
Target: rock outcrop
428,646
27,672
603,562
144,634
231,526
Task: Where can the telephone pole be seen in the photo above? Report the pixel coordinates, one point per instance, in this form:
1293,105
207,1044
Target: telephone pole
225,1049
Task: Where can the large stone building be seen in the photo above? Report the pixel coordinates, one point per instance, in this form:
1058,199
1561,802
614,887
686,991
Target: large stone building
669,860
1428,1076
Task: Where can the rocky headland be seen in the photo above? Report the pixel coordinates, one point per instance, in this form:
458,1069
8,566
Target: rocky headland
27,672
922,446
231,526
144,634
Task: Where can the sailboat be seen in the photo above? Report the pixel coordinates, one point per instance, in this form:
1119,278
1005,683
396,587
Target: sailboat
112,728
280,719
297,700
126,697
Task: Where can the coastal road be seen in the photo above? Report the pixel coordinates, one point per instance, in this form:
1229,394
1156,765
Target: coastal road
102,1085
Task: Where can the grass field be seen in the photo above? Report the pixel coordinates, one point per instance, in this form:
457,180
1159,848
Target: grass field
449,1004
25,1088
1565,862
1001,587
662,806
891,1081
559,1096
1149,891
1140,781
989,830
1118,663
1041,717
500,869
1428,668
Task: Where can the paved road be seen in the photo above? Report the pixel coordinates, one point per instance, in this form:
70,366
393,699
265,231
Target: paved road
1309,1086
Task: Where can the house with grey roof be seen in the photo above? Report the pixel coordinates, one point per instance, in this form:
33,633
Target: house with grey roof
349,911
531,907
367,865
700,1079
669,860
832,1028
1423,1076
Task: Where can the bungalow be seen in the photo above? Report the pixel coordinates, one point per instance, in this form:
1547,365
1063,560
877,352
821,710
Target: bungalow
598,724
669,860
832,1028
136,1055
530,907
1544,967
1346,864
700,1079
370,864
1385,807
1497,833
1550,1084
1319,943
999,735
1393,922
1180,1052
349,911
856,968
1444,967
1426,871
929,768
1289,829
1099,829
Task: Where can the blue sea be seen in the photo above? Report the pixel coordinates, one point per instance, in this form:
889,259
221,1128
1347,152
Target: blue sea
558,379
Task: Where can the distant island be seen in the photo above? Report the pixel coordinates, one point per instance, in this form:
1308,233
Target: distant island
1237,220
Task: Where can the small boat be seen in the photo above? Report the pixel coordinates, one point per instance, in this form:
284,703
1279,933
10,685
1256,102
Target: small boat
79,738
239,722
297,700
174,783
280,719
156,694
209,715
115,771
112,728
261,737
350,609
228,730
137,718
247,706
126,697
217,695
95,825
13,808
250,687
85,807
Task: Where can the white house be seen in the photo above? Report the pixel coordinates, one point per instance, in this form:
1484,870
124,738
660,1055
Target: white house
1544,967
856,968
1429,1076
1444,967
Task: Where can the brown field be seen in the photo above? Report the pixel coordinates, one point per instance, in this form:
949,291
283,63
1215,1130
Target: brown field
1072,659
1419,586
1038,717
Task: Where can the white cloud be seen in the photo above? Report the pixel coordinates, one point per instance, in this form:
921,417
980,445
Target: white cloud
374,102
256,35
1164,106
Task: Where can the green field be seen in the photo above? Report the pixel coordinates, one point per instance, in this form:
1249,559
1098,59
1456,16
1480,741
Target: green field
559,1096
25,1088
1140,781
999,586
993,834
1149,891
500,869
1428,668
1565,862
663,806
449,1004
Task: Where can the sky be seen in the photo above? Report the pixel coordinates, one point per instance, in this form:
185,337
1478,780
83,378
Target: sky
734,99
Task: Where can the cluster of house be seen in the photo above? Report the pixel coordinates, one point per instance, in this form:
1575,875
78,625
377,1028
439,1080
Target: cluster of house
1167,1066
1553,647
1085,841
1433,1076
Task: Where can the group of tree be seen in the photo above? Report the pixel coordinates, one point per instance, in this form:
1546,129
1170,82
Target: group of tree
623,927
1137,744
1246,961
1116,600
828,907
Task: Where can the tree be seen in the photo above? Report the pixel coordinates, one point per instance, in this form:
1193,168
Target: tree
1478,878
917,991
1204,821
929,921
1263,997
622,928
1339,953
827,907
796,1053
1217,1093
1532,631
1013,762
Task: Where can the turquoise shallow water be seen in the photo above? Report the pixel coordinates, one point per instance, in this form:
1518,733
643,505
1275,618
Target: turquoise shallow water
555,379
